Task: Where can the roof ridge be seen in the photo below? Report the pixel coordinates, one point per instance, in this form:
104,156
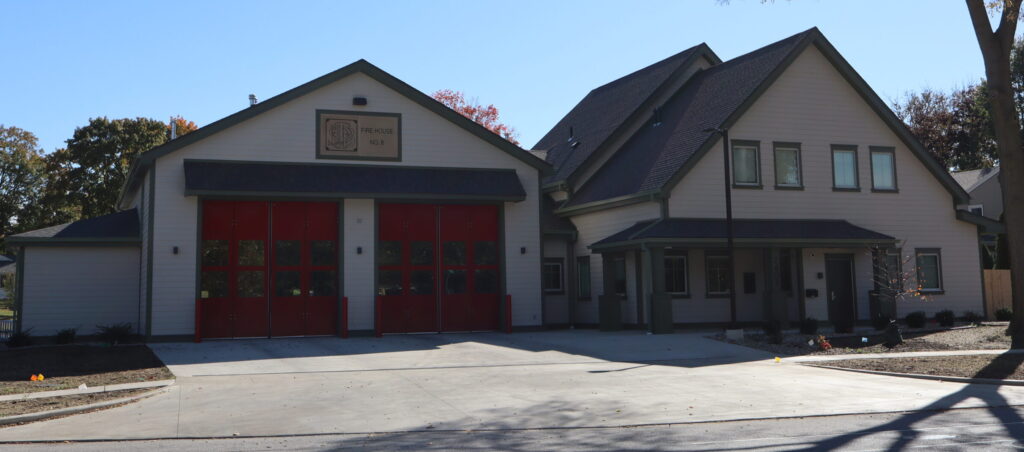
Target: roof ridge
649,67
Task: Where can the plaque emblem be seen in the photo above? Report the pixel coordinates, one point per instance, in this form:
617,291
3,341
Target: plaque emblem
342,135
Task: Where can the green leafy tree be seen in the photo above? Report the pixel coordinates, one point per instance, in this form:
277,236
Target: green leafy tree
22,177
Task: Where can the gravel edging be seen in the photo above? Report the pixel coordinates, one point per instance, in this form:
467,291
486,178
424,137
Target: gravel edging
940,378
31,417
89,390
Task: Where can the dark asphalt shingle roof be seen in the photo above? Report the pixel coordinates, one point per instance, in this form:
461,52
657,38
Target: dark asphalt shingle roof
601,112
123,225
711,228
331,179
655,153
549,222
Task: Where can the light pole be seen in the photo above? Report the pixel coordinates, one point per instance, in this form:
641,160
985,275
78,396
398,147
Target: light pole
724,133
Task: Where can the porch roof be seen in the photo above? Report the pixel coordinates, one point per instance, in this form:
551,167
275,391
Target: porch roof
326,180
746,232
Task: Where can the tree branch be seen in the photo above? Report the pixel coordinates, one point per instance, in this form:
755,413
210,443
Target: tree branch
982,27
1008,23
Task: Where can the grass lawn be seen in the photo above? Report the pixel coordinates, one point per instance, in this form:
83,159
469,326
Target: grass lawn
68,366
1000,367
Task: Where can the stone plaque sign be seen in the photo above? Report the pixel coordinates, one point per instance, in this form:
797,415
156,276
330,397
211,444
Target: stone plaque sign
358,135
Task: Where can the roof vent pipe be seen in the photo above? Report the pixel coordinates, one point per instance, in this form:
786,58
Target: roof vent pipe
174,128
252,100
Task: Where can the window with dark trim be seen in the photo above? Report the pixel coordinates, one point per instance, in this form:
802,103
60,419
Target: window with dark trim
553,275
788,171
894,269
883,168
746,164
677,278
583,277
844,168
716,271
929,270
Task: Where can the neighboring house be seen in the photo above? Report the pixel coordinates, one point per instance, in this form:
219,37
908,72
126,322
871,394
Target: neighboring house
831,193
355,202
985,190
8,269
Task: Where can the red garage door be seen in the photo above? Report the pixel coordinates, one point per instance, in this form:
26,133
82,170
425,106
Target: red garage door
268,269
437,267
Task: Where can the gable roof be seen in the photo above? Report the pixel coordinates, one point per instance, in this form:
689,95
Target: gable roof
656,158
144,160
607,109
972,179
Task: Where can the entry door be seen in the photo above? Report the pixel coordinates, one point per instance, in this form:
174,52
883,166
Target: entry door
469,267
840,288
407,268
233,275
304,268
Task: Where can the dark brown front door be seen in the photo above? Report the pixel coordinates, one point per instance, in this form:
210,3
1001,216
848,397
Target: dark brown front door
839,282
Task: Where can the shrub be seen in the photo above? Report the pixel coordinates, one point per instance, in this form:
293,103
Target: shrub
20,339
945,317
66,336
809,325
880,322
118,333
1004,315
971,317
773,331
916,319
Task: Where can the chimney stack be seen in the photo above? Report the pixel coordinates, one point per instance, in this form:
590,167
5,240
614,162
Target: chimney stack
252,100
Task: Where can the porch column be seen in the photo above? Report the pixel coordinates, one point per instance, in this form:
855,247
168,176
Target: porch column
609,307
660,301
774,305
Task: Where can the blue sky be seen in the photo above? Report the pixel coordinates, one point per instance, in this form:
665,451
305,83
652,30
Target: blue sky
69,61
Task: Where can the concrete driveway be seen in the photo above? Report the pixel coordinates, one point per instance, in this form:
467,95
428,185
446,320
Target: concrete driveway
558,379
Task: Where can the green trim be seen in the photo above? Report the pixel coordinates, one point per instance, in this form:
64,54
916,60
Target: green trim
151,214
757,163
271,195
320,113
776,145
856,165
645,196
19,289
988,225
872,150
362,66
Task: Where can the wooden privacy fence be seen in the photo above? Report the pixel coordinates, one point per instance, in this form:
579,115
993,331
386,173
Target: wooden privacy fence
998,292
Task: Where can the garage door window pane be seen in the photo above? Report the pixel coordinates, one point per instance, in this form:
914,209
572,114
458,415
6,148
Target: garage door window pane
286,284
215,253
455,253
250,284
288,252
390,282
389,253
213,285
486,281
422,253
323,283
322,252
485,253
455,281
250,252
421,282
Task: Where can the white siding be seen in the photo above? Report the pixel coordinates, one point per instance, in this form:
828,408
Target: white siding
287,134
594,227
79,287
812,104
359,231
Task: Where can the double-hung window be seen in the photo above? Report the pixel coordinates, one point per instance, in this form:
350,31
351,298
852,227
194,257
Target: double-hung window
787,165
844,167
929,270
553,275
883,168
677,280
746,167
716,269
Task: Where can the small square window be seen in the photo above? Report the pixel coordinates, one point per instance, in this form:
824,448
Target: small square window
552,275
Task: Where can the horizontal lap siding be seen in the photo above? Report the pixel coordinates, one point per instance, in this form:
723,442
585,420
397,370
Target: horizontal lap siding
80,287
287,134
360,231
594,227
813,105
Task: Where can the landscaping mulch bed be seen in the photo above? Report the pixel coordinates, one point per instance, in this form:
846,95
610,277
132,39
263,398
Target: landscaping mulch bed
68,366
16,407
1000,367
984,337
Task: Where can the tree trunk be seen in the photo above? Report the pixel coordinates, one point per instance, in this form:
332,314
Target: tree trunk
995,48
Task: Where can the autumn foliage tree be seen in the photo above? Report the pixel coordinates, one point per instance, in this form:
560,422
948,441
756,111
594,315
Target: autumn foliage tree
486,116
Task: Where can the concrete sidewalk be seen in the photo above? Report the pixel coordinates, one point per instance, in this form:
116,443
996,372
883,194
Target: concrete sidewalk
490,381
